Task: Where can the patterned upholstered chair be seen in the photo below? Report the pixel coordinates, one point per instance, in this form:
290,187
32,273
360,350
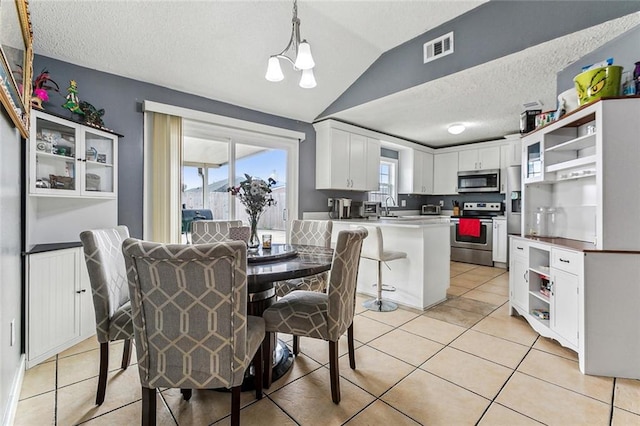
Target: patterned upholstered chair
311,233
239,233
212,231
108,276
195,333
322,315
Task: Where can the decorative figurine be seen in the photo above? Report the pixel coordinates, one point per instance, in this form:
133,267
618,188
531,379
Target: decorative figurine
72,99
92,115
41,87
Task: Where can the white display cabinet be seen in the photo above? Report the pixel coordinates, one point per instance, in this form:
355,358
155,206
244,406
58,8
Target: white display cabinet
67,159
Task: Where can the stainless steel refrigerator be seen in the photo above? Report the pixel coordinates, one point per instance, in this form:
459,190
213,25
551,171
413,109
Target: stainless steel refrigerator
513,200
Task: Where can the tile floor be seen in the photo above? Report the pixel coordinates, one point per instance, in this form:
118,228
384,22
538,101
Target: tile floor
463,362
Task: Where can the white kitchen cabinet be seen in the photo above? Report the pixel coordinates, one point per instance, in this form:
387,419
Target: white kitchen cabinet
582,298
59,311
479,159
519,275
579,165
445,173
68,159
346,160
416,172
500,241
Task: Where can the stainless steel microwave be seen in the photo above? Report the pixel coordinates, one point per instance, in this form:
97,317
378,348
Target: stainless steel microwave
479,181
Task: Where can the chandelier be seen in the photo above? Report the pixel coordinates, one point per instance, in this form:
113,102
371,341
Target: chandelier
300,50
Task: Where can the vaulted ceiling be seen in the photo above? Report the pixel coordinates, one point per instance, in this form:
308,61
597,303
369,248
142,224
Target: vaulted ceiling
219,50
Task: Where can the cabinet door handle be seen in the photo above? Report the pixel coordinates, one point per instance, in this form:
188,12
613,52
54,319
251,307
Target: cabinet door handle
84,290
526,276
80,159
564,260
519,248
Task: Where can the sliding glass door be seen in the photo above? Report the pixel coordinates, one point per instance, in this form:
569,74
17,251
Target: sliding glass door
214,158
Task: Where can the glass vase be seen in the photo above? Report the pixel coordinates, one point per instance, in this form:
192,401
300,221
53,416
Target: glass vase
254,241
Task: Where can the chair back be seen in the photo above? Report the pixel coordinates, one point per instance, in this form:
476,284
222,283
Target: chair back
108,277
343,281
372,247
189,307
240,233
311,232
212,231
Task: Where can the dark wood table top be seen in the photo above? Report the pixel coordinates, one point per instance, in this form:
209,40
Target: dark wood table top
287,261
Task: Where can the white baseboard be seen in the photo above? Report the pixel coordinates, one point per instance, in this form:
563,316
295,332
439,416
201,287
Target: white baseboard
14,396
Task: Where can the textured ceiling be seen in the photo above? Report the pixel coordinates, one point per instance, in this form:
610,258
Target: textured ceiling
487,98
219,50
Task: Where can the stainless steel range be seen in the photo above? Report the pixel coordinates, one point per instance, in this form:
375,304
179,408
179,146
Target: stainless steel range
472,240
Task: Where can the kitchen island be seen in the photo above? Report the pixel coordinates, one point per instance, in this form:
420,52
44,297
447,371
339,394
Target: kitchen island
421,279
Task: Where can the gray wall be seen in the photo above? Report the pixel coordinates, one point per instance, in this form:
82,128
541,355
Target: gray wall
623,49
122,97
490,31
10,259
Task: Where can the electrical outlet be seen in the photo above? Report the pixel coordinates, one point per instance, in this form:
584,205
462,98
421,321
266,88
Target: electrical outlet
403,203
329,202
13,332
441,203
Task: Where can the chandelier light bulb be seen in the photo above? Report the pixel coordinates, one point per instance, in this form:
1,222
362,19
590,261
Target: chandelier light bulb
456,129
304,60
308,80
274,72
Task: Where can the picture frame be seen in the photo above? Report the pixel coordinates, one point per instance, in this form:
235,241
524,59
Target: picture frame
16,62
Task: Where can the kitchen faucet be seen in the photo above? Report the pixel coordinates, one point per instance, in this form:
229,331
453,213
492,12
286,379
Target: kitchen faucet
386,204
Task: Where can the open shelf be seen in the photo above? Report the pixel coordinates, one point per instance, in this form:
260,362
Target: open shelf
541,270
585,141
590,159
539,295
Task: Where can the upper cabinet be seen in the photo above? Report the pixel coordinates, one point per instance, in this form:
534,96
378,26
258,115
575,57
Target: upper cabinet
445,173
584,169
346,160
479,159
416,172
68,159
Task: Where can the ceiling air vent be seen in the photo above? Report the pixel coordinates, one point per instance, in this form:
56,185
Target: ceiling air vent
437,48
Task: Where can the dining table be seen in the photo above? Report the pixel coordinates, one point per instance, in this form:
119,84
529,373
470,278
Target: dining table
280,262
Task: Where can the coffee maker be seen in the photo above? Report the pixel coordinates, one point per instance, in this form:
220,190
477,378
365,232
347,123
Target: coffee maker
341,208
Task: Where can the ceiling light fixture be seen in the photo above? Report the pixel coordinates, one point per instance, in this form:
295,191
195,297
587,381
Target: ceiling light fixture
300,50
456,129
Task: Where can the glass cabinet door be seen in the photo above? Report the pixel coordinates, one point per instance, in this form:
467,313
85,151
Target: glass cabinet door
534,161
56,158
99,164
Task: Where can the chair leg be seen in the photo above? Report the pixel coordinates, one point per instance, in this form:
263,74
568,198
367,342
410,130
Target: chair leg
258,360
126,354
352,353
296,345
334,372
235,406
186,394
102,375
148,407
267,355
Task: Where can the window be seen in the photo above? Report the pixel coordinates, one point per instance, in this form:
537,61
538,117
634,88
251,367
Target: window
387,179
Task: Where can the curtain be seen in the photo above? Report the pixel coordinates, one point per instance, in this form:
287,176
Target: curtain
164,178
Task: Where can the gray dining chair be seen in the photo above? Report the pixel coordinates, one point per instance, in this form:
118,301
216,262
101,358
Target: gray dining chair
311,233
212,231
318,315
192,331
108,277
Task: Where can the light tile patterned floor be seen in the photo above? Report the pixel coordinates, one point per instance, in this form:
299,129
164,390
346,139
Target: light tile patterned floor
464,362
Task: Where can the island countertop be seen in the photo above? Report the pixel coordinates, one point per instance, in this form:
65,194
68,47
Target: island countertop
400,221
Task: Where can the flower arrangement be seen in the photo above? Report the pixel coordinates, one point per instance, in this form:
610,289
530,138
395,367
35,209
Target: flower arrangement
255,195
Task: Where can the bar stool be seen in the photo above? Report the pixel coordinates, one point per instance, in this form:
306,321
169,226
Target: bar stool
373,249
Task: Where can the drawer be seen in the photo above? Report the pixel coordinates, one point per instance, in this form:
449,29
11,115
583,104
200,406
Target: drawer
568,261
519,248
